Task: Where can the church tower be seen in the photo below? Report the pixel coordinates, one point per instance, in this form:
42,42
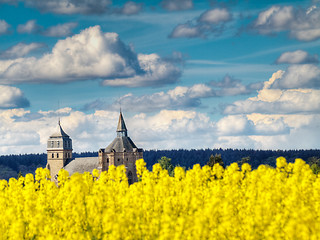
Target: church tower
122,151
59,151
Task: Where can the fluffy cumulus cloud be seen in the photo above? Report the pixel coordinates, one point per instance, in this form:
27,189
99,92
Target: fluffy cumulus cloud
91,54
241,125
302,24
174,5
279,101
4,27
299,76
12,97
211,22
154,71
20,50
297,57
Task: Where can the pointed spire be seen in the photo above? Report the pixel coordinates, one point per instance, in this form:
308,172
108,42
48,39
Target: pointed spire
121,125
60,132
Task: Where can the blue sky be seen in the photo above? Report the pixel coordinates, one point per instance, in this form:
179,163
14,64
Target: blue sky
187,74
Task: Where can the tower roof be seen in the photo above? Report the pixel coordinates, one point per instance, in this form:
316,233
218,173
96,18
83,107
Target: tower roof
121,124
60,132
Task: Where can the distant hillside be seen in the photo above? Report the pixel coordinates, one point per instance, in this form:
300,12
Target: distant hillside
11,165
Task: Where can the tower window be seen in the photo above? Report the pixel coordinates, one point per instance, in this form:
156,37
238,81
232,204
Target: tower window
127,159
52,144
118,159
66,155
107,160
58,144
52,155
57,155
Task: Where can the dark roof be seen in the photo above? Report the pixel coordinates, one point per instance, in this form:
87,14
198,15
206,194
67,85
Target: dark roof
121,144
121,124
81,165
60,133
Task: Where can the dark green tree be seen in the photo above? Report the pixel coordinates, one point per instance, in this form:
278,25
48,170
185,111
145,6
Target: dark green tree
314,163
165,163
215,159
243,160
19,174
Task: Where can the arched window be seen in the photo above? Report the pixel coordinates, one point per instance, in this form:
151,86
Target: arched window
127,159
118,159
52,156
107,160
57,155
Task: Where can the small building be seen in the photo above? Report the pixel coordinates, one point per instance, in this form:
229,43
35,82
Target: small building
122,151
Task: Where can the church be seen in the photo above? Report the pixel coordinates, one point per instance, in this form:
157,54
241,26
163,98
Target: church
121,151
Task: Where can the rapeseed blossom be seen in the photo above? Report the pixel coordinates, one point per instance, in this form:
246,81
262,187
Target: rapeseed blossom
200,203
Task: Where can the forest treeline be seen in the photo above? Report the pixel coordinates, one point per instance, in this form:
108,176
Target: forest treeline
14,165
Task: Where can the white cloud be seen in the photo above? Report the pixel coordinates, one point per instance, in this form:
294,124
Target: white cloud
91,54
215,16
181,97
129,8
19,50
211,22
297,57
70,6
288,102
4,27
12,97
174,5
155,72
299,76
29,27
60,30
272,101
177,98
187,31
231,87
302,24
241,125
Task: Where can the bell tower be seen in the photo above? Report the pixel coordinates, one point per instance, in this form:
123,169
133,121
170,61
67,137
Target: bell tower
59,151
122,151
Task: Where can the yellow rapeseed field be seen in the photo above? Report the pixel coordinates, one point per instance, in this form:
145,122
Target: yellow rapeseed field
201,203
